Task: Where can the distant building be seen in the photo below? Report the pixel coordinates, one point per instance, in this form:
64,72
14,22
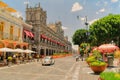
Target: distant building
75,49
48,39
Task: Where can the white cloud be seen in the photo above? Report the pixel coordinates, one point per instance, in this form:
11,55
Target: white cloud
76,7
102,10
114,1
64,28
92,21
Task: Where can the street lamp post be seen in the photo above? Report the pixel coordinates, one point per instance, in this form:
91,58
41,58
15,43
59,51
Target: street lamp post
86,23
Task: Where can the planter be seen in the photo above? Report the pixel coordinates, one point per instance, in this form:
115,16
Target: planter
98,69
9,63
88,62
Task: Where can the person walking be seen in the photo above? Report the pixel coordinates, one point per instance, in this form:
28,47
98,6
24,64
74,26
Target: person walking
81,53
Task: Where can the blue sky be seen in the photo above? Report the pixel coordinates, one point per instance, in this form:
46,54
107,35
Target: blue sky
68,10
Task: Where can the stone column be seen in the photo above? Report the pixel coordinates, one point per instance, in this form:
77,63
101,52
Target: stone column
44,51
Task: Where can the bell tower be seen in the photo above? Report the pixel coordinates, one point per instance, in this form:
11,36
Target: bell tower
36,16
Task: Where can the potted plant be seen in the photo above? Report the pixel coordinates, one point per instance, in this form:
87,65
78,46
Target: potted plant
97,54
90,59
109,76
98,66
9,60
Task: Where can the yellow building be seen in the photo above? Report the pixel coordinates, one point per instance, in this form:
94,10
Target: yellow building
11,29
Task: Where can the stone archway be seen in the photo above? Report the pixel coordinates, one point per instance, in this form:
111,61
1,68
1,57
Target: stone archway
41,51
10,45
2,45
17,46
47,52
24,47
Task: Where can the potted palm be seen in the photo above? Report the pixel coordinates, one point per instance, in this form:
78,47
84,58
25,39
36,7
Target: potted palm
98,66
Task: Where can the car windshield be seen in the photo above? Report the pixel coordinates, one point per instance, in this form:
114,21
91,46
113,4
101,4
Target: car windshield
47,57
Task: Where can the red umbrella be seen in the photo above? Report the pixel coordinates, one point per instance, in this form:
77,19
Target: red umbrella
107,48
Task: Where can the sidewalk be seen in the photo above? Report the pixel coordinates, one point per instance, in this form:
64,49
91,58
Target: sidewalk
85,72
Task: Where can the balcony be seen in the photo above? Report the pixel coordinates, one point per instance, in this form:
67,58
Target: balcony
4,35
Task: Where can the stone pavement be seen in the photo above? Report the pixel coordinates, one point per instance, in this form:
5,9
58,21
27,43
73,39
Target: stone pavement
71,70
85,72
81,71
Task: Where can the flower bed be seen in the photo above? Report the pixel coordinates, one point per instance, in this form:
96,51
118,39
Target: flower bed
60,55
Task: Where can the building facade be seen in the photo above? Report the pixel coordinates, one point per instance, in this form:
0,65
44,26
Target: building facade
11,30
48,38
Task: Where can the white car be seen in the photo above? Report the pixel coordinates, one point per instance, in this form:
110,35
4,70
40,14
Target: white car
48,60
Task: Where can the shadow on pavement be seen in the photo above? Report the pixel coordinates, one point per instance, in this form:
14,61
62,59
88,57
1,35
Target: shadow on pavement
94,73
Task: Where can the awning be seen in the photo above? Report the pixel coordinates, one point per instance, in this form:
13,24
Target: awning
43,36
27,33
54,41
31,34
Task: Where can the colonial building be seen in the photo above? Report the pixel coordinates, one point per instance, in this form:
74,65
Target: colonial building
48,39
28,36
11,29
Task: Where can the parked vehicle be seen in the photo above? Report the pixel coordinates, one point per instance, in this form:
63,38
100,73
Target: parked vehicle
48,60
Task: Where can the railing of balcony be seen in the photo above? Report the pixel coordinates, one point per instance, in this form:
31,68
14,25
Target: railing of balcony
4,35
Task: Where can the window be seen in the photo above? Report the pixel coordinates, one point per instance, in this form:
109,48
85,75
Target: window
18,32
11,32
1,26
1,29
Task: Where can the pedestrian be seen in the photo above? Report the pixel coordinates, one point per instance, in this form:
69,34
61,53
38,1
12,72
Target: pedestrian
77,58
37,57
81,53
41,58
